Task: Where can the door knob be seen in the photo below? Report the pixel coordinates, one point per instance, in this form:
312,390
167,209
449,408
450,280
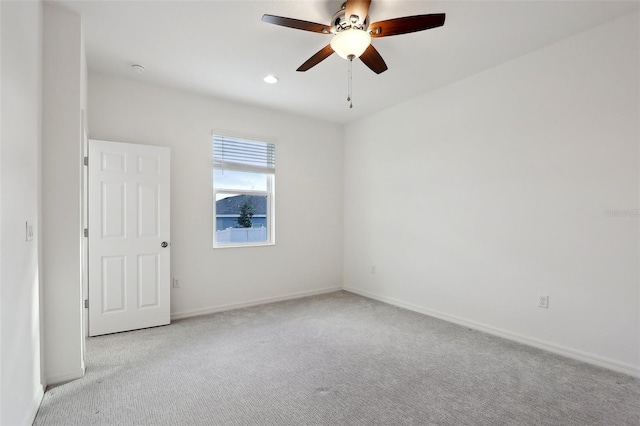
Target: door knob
164,244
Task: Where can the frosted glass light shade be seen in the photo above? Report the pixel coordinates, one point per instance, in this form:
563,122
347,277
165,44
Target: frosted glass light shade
350,42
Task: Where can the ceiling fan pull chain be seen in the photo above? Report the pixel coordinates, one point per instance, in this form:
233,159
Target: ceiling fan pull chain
350,84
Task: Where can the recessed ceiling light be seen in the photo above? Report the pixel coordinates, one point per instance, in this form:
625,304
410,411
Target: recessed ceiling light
271,79
137,68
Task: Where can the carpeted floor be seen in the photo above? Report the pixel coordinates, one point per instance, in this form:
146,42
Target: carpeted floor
335,359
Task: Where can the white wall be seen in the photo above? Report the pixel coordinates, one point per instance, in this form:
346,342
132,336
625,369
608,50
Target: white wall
21,82
61,189
474,199
1,61
308,192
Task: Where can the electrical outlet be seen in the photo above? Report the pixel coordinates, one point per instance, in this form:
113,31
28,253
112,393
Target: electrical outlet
176,283
543,301
373,269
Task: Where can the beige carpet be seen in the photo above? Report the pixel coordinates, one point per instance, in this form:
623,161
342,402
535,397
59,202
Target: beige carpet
336,359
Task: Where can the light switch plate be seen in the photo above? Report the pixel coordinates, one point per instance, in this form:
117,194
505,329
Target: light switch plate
29,231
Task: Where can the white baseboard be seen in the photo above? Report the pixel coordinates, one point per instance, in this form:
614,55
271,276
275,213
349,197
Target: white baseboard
598,360
35,406
255,302
65,377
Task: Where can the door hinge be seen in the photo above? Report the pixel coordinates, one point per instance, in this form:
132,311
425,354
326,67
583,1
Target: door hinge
86,232
86,303
86,161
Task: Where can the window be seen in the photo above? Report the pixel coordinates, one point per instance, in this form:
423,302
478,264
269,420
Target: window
243,192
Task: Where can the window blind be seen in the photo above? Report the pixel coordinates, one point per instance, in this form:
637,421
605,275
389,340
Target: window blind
244,155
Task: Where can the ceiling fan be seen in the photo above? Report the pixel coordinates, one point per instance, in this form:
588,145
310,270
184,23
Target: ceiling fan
352,33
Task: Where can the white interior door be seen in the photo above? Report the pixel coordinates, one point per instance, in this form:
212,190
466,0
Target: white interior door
129,251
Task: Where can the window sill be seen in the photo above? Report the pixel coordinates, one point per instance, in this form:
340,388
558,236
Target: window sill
227,246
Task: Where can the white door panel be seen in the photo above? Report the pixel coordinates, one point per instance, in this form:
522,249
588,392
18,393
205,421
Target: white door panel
129,277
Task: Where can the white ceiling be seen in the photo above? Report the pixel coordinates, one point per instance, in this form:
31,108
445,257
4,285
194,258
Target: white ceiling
222,49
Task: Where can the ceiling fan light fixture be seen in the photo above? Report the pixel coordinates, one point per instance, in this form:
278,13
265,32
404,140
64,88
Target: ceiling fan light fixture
349,42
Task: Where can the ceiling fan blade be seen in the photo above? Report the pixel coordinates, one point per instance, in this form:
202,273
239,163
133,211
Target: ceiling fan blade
373,60
407,24
323,54
359,8
296,23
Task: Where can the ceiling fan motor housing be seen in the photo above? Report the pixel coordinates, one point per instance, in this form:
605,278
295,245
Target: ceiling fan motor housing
339,22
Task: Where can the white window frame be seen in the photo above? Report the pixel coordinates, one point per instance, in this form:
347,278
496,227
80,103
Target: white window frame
269,193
